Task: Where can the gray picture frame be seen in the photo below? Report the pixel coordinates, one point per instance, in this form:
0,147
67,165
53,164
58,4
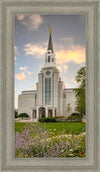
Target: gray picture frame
91,10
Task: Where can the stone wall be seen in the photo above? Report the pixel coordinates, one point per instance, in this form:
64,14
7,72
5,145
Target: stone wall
26,102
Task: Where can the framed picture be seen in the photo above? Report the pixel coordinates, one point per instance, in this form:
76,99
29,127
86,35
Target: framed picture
49,96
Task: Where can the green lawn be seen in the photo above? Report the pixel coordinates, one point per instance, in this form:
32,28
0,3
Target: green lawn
57,128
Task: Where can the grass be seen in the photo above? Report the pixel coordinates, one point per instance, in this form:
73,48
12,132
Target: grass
57,128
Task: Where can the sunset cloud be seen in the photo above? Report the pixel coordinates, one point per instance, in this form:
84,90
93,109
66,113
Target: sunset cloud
24,68
33,49
31,21
75,53
21,76
68,51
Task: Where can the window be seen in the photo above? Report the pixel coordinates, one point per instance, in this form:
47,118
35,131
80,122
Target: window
48,73
52,59
47,90
48,58
35,115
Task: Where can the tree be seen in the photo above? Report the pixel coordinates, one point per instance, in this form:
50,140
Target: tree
81,77
22,115
16,113
69,109
80,92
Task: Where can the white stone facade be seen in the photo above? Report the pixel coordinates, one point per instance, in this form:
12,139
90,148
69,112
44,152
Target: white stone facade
50,98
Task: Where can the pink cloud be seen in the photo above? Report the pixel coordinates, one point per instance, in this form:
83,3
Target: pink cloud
24,68
36,20
21,76
31,21
75,54
33,49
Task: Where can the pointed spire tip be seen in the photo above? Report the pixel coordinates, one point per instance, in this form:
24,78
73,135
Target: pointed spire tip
50,29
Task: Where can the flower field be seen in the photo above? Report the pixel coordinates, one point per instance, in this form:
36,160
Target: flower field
35,140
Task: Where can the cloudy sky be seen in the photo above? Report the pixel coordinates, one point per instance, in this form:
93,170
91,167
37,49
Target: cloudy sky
31,40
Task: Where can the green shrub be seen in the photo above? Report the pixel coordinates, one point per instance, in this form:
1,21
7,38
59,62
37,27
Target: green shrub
47,119
60,117
75,114
22,115
16,113
74,119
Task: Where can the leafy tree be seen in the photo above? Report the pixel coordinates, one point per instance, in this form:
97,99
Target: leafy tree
80,92
16,113
81,77
22,115
69,109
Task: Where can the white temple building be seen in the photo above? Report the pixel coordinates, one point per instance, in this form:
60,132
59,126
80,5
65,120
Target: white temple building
50,99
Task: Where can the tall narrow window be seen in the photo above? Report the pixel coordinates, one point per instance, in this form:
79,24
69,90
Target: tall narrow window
52,59
48,58
48,91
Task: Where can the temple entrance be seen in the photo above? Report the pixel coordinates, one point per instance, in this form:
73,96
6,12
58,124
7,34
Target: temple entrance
41,112
50,113
34,114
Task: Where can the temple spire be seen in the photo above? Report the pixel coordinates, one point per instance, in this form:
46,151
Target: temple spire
50,59
50,45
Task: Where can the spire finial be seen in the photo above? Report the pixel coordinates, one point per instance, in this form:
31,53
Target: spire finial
50,29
